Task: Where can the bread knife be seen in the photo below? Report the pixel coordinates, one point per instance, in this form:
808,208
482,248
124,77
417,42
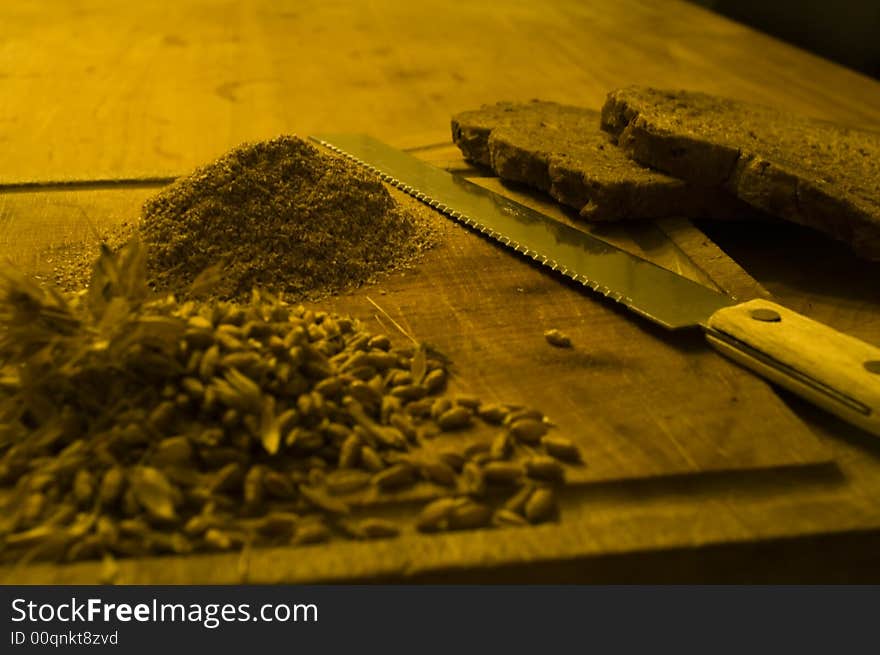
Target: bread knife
830,369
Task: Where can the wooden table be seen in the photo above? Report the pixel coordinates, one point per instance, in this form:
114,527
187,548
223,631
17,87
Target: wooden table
97,91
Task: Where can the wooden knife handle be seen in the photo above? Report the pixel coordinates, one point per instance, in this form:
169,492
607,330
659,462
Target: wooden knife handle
830,369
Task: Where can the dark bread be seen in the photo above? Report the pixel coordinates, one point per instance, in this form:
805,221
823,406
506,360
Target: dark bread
561,149
804,170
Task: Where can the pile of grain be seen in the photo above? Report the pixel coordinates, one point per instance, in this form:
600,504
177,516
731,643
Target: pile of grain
133,425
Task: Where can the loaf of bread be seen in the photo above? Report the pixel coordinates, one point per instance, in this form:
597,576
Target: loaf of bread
804,170
562,150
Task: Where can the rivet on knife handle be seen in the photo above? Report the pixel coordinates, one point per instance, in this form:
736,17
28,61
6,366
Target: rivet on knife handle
833,370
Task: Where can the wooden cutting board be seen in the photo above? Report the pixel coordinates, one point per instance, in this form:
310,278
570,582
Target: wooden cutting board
640,401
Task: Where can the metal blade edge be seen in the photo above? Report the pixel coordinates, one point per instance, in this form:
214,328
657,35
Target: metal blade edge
649,290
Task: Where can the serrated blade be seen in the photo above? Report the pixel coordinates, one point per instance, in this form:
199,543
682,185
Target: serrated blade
649,290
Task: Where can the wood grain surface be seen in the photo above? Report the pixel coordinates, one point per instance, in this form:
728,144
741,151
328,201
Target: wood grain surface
100,90
97,88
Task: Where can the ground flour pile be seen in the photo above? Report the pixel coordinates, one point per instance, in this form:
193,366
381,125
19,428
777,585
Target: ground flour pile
279,215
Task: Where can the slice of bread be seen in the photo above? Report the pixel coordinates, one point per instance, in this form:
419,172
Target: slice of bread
562,150
804,170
